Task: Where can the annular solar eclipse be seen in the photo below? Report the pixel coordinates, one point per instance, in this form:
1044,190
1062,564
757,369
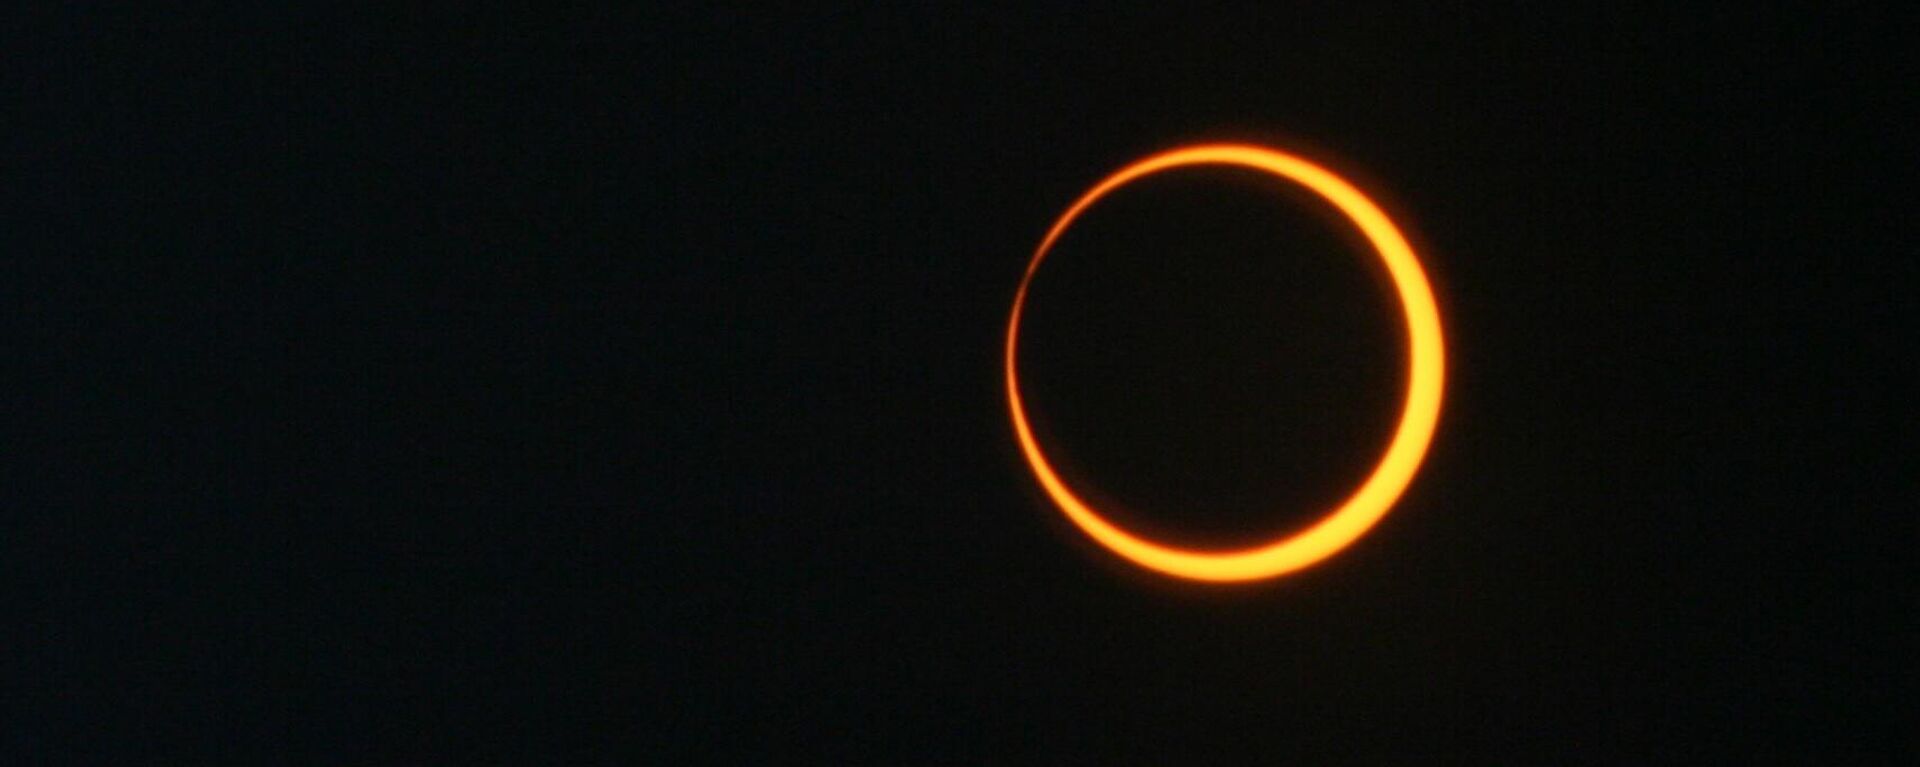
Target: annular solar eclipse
1426,359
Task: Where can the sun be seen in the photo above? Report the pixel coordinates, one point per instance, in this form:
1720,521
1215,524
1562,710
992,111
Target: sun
1426,359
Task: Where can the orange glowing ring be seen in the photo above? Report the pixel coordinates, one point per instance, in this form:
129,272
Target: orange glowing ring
1425,350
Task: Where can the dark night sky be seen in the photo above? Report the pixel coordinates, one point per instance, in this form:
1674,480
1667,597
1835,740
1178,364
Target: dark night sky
625,386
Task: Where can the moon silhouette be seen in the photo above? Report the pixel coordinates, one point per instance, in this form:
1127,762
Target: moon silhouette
1426,357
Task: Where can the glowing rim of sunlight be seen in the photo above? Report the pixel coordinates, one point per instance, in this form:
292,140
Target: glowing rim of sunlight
1426,355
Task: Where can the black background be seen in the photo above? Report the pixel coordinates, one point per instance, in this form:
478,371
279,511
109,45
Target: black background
421,388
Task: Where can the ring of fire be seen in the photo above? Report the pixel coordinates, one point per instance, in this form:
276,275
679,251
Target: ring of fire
1426,362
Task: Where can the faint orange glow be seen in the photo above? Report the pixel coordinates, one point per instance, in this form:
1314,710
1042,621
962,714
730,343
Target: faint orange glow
1426,359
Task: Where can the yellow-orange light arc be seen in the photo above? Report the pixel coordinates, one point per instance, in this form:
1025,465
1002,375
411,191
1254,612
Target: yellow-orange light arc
1426,354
